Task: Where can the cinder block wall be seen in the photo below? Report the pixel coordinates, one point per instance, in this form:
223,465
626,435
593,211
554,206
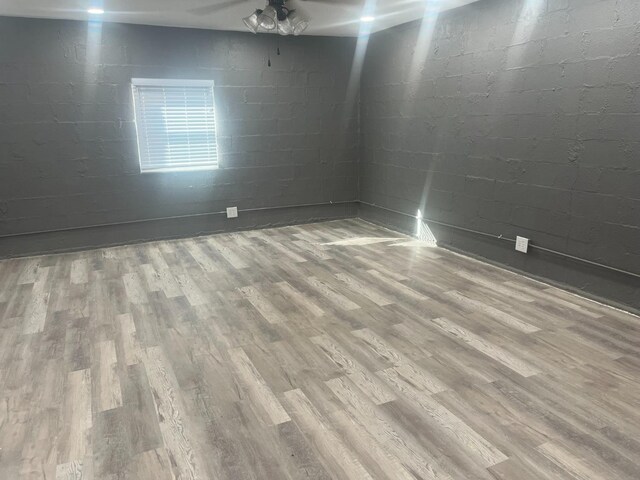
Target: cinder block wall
68,155
513,117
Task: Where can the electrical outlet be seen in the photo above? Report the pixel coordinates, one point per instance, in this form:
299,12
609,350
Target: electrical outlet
232,212
522,244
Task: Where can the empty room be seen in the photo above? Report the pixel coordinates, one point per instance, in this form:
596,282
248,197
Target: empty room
320,239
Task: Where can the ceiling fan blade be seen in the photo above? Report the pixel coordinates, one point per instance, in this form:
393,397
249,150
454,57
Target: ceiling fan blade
208,9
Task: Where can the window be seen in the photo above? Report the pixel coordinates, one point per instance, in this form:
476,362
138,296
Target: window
175,123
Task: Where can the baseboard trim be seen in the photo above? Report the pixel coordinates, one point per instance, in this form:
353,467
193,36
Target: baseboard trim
550,282
148,230
609,287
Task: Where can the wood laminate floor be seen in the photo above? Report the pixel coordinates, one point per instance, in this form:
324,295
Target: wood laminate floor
337,350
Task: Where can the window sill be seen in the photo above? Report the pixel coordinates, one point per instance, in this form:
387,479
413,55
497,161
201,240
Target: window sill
180,169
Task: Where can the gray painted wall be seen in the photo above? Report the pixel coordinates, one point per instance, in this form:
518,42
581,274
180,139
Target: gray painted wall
68,155
510,121
518,118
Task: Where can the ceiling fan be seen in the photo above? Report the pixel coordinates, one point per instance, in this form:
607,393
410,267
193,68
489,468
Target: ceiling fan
275,17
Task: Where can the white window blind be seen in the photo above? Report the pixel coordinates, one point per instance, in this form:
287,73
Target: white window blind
176,126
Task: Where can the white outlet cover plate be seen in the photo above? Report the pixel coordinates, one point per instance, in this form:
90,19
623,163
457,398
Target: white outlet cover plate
522,244
232,212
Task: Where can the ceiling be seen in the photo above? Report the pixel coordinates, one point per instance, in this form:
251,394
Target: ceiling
328,17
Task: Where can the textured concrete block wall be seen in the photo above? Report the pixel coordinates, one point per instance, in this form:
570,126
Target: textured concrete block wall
514,117
68,155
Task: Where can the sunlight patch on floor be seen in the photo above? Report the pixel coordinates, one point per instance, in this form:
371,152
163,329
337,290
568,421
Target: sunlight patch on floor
423,232
363,241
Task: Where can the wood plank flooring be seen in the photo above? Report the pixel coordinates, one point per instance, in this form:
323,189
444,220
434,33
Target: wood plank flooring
336,350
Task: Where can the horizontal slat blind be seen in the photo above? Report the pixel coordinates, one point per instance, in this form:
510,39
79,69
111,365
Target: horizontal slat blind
176,125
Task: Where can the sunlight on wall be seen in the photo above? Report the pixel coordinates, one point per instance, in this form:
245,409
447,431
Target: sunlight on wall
92,57
357,64
421,51
525,26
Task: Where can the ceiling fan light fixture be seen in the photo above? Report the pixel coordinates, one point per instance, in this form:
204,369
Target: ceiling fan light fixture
298,23
285,27
276,16
268,18
252,21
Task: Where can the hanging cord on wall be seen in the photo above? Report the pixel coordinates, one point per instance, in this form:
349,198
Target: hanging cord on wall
277,49
269,54
269,44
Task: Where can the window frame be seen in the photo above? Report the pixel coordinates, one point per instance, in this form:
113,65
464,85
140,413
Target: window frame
173,82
